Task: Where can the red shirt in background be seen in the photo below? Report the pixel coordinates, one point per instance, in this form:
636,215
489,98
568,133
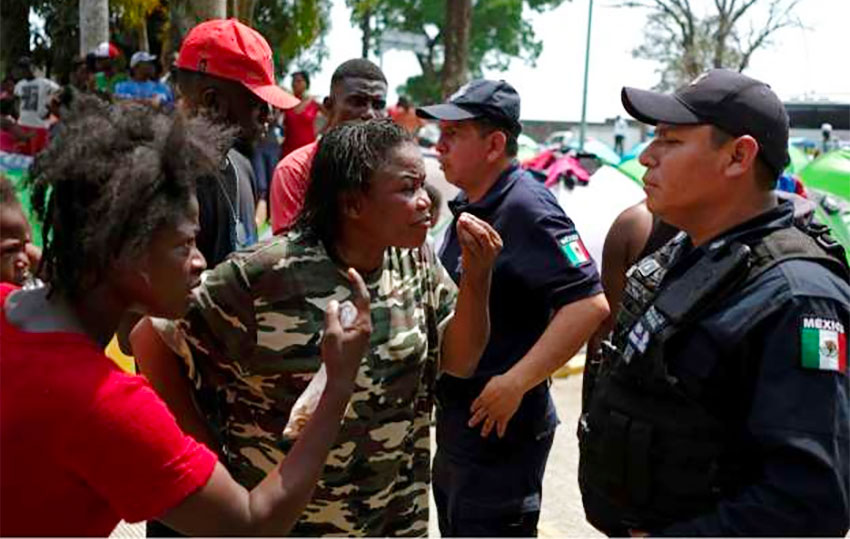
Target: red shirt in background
289,187
83,444
406,118
299,127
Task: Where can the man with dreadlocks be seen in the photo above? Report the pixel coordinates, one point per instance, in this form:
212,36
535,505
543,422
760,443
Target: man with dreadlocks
252,333
83,444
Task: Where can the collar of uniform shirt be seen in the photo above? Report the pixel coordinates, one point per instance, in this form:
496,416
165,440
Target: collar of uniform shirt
775,218
498,190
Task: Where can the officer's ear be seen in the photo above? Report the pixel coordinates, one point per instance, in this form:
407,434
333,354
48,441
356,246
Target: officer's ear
742,155
497,141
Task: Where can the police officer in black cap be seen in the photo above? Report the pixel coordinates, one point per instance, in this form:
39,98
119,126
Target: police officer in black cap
721,407
495,429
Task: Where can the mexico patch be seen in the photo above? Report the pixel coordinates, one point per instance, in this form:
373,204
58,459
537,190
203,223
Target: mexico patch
574,250
823,344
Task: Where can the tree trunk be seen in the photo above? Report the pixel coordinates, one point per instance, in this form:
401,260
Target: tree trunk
14,32
144,43
94,24
366,27
455,68
245,11
204,10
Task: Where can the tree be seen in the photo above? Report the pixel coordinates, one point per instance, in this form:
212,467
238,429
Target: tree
458,20
497,33
243,10
94,24
133,15
686,43
296,30
14,32
362,13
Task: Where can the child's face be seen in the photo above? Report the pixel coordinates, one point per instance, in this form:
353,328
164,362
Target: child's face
14,237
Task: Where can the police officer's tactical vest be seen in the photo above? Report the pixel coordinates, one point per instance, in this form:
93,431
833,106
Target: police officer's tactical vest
651,453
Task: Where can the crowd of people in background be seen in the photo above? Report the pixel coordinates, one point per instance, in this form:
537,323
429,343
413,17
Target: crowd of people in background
31,107
290,388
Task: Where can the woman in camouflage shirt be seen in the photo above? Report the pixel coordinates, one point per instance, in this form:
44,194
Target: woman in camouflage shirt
250,341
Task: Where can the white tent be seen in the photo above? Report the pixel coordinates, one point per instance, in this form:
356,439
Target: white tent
593,207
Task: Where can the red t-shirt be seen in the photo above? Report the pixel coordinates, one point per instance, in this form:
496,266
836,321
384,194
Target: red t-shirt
299,127
83,444
289,187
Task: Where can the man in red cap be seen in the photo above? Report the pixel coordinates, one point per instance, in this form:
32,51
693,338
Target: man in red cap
226,72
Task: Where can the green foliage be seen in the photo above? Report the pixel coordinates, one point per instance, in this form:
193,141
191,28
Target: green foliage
295,30
422,89
498,33
133,14
60,41
493,42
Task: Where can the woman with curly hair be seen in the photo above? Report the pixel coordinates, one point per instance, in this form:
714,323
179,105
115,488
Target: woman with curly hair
83,444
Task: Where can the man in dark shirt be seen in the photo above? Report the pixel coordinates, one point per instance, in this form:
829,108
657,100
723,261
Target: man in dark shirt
721,407
494,430
225,71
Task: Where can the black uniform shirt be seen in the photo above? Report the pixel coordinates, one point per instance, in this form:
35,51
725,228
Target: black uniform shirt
226,210
542,267
772,359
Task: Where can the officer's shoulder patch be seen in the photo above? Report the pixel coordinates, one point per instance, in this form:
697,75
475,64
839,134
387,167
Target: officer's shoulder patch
574,250
823,343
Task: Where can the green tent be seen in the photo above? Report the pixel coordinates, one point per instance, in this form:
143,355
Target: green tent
799,160
633,169
830,172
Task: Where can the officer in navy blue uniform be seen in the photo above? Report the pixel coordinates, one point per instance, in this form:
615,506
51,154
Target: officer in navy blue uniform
721,407
494,430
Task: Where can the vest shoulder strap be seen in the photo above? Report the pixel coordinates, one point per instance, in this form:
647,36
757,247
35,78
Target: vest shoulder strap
813,244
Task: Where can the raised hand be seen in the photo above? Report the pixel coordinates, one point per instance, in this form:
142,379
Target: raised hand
480,244
345,341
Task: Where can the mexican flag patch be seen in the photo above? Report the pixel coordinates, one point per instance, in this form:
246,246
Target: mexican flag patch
574,250
823,344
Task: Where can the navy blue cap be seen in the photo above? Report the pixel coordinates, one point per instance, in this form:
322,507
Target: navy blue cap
495,100
724,98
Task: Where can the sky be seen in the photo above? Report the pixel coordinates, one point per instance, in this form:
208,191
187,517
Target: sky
802,62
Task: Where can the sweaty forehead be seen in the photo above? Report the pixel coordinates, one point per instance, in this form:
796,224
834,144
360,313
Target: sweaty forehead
406,158
360,86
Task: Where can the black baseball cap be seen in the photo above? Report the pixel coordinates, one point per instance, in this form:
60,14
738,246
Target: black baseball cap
735,103
495,100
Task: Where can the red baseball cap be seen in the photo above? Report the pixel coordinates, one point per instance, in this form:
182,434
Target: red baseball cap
228,49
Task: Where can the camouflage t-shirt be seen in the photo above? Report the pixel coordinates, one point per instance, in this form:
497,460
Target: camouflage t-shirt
253,334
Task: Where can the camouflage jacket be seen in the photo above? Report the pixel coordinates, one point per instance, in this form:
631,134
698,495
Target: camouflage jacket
253,334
